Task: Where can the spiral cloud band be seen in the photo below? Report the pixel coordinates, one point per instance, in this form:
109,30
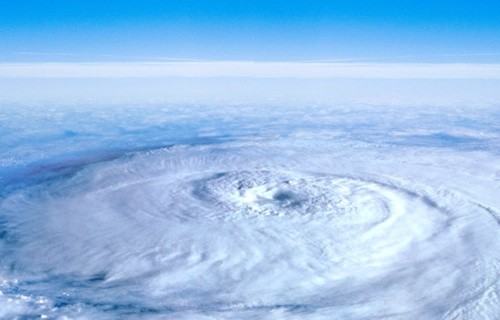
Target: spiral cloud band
313,223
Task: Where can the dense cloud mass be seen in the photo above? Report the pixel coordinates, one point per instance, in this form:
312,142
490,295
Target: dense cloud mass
250,213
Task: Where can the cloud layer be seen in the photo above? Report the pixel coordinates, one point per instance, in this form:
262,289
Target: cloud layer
250,69
308,213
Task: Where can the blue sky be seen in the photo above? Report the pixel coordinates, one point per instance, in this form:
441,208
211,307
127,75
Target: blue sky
387,31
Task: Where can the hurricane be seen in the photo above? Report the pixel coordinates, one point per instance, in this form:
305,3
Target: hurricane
316,213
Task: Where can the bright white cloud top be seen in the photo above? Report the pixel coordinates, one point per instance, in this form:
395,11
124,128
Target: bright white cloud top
250,213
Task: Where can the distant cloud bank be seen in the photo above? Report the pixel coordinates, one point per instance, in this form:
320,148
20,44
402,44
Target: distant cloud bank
250,69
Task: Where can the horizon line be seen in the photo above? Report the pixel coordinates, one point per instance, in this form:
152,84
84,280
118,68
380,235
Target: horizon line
250,69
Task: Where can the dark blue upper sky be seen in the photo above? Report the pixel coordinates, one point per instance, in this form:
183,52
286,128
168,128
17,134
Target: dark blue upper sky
381,30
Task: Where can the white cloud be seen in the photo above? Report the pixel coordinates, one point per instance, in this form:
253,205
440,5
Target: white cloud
249,69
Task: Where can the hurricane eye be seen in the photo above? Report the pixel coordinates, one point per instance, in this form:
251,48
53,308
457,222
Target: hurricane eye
284,196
